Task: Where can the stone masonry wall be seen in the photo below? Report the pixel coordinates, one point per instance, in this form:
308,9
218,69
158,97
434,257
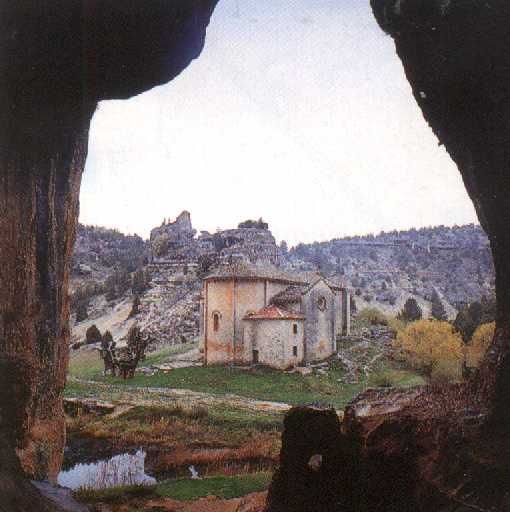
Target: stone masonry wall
274,340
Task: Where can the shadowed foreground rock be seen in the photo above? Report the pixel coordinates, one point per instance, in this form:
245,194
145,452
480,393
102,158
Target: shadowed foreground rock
440,449
58,59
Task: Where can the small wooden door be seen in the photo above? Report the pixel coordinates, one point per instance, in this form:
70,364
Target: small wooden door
255,357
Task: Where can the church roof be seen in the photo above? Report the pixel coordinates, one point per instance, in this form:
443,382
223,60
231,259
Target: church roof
273,312
249,271
291,294
294,292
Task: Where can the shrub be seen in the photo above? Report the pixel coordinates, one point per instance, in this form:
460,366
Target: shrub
396,325
135,308
93,335
160,245
480,342
411,312
81,312
438,311
470,317
434,348
383,380
465,324
107,337
372,316
139,282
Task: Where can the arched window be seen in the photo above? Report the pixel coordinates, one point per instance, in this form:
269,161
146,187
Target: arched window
216,321
322,303
295,328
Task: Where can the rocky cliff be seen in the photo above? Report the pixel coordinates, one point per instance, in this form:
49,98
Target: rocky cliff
59,59
384,269
174,243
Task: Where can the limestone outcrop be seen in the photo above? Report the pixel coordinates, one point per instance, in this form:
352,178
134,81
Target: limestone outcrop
59,58
174,244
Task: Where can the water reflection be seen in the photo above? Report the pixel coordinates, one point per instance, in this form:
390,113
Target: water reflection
120,470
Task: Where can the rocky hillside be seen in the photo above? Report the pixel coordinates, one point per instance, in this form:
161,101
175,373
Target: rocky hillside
454,262
99,250
383,271
175,243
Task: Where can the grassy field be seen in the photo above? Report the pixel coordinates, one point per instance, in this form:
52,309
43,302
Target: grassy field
258,383
184,489
220,486
87,365
234,449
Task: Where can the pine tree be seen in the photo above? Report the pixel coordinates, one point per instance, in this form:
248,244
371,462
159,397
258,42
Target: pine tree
107,337
438,311
135,308
464,324
354,307
81,312
411,312
110,288
139,282
93,335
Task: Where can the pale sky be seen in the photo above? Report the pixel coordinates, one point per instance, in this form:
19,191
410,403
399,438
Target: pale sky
297,111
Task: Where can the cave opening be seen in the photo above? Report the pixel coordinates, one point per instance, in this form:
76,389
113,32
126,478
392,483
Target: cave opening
42,162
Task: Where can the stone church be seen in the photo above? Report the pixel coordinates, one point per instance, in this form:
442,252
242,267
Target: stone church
261,315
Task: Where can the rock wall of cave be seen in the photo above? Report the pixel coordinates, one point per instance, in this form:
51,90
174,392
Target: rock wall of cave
59,58
425,449
444,449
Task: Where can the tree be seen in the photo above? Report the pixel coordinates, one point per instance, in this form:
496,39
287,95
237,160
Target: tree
93,335
354,307
480,342
110,288
205,262
475,311
465,324
411,311
438,311
135,308
372,316
107,337
160,245
139,282
134,336
488,309
433,347
81,311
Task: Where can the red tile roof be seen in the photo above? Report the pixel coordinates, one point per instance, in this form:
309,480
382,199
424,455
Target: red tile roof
273,312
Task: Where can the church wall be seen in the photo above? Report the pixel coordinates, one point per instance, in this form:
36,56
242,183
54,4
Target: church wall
339,317
346,310
249,298
274,340
320,325
219,344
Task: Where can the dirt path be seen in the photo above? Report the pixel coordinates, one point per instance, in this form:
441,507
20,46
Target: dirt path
132,395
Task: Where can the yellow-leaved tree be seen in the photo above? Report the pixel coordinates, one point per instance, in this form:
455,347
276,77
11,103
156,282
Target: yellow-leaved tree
434,348
480,342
